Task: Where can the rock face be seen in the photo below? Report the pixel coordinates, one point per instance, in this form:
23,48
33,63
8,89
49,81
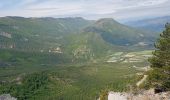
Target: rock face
7,97
5,34
150,95
144,95
117,96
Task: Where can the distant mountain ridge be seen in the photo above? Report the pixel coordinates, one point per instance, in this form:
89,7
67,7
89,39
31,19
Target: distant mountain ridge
151,24
76,37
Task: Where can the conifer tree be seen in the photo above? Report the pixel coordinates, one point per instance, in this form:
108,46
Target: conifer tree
161,56
160,62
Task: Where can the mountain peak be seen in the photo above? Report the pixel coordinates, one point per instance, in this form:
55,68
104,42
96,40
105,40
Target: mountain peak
104,21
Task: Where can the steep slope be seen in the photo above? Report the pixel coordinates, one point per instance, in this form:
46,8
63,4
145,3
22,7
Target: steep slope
89,46
118,34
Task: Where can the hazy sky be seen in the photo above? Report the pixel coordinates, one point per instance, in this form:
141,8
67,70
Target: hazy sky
91,9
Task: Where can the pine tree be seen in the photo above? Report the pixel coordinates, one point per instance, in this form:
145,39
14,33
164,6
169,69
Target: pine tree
160,62
161,56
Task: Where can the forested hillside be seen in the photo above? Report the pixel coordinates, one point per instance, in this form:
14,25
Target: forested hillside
74,37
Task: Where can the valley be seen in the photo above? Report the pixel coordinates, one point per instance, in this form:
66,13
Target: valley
69,81
70,58
84,49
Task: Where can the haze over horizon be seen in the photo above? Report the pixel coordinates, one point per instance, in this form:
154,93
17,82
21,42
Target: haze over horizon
89,9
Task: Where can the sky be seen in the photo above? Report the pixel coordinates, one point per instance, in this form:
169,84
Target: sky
89,9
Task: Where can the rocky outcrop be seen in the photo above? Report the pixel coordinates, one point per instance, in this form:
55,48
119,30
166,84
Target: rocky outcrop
7,97
142,95
5,34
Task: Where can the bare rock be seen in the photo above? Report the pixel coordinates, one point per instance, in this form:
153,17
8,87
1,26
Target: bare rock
7,97
144,95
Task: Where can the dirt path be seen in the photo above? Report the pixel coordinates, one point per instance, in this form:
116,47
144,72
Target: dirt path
142,80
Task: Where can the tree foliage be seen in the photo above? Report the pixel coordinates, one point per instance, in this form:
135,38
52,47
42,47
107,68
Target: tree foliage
162,53
160,62
31,85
